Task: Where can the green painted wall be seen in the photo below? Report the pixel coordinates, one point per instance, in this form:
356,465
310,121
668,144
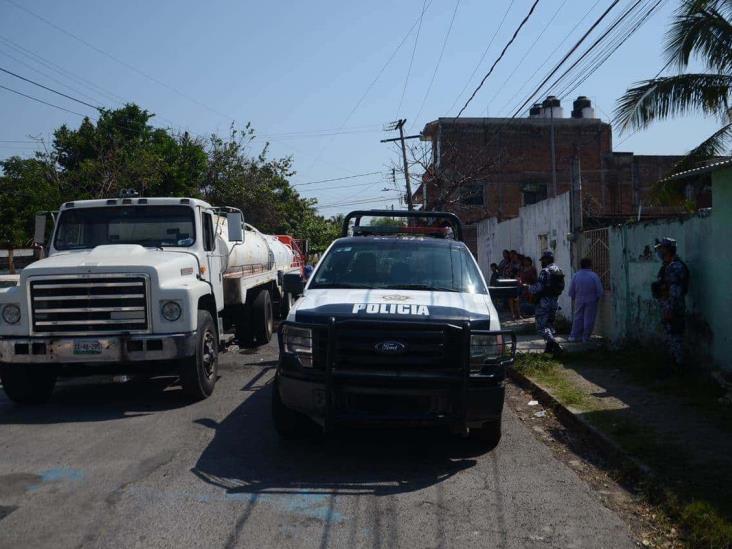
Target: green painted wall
705,244
720,306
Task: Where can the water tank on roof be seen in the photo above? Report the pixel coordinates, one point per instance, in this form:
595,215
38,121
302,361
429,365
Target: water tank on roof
552,107
536,111
582,108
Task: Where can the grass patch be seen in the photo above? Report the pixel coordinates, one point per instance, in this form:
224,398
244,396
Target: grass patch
649,368
549,373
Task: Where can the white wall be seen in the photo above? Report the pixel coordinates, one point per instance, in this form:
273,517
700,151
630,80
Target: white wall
549,217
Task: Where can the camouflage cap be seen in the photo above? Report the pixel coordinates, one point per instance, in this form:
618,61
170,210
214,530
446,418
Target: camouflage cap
548,254
666,242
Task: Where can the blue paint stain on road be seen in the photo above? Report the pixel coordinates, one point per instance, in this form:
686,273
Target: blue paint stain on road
61,474
315,506
56,475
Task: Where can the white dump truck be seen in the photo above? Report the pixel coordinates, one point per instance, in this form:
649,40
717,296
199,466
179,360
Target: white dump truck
143,286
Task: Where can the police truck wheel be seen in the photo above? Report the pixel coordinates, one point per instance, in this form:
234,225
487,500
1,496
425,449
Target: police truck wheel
287,422
488,435
27,384
262,320
199,372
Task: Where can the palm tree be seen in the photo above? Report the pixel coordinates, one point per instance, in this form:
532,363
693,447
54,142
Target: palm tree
701,30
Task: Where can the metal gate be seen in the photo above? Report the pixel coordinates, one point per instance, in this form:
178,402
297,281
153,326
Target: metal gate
595,245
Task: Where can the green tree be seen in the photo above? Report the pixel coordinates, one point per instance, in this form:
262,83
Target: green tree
702,30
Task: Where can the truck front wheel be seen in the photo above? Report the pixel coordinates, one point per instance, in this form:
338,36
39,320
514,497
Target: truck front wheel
199,372
28,384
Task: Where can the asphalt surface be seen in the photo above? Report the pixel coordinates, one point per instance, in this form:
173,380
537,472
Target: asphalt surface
134,465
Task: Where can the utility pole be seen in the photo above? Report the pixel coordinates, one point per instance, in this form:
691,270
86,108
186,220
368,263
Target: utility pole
554,155
399,125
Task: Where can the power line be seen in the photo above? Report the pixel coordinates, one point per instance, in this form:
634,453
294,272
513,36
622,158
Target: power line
568,54
482,57
61,70
548,57
503,52
597,41
42,101
411,60
336,179
372,84
334,187
118,60
364,201
11,73
528,51
437,65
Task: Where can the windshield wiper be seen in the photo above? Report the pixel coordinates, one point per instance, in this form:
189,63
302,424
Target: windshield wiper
426,287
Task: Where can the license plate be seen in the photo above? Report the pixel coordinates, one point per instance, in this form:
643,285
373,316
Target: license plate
87,347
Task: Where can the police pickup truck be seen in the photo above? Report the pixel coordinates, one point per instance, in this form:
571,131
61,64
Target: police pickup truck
395,327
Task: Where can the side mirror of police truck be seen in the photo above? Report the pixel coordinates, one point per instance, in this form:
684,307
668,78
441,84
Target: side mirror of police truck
293,284
40,232
235,222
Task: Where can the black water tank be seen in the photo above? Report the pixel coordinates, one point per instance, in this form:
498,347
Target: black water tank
582,102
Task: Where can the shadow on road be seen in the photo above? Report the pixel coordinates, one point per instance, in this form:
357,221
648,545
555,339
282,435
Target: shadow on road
246,456
95,399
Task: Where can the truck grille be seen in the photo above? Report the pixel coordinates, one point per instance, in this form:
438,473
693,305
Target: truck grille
89,305
424,350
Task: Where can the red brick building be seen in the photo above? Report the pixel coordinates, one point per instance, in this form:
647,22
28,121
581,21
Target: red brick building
490,167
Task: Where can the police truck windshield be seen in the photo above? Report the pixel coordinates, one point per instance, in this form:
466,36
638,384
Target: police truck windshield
150,226
399,265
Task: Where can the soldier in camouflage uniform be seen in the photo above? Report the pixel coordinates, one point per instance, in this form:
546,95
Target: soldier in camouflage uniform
547,288
670,290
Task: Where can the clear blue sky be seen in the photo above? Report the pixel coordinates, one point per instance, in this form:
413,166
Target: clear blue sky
303,68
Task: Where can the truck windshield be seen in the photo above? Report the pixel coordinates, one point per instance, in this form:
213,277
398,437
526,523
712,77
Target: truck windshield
150,226
400,264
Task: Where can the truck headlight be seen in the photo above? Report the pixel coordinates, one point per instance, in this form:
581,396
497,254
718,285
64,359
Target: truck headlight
299,341
485,350
171,311
11,313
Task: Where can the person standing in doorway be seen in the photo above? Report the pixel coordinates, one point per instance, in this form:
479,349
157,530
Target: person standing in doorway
586,291
670,289
505,265
494,275
547,290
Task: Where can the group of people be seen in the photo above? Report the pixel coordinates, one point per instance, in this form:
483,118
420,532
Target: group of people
519,267
543,290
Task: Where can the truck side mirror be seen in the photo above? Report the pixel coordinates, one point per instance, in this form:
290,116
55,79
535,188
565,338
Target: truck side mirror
40,232
235,222
293,284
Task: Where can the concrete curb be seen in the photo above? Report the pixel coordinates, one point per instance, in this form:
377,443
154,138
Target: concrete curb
615,454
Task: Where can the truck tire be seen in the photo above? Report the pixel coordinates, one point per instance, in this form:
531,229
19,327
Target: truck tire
28,384
262,321
198,372
285,305
287,422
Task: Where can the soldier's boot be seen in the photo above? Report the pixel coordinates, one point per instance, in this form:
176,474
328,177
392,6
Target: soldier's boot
557,349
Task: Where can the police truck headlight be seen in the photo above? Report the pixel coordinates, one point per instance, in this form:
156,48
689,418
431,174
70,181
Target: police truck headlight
171,311
299,341
485,350
11,313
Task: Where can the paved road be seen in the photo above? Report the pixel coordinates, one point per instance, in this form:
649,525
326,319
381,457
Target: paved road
110,465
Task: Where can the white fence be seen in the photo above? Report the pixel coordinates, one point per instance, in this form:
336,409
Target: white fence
540,226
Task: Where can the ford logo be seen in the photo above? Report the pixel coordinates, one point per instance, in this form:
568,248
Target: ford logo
390,347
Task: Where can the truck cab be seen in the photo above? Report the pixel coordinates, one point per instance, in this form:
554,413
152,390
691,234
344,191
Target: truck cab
133,285
396,326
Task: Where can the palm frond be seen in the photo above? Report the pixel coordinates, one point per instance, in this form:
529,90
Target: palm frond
717,144
671,96
702,28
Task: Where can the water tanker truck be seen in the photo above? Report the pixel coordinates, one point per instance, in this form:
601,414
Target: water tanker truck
143,286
